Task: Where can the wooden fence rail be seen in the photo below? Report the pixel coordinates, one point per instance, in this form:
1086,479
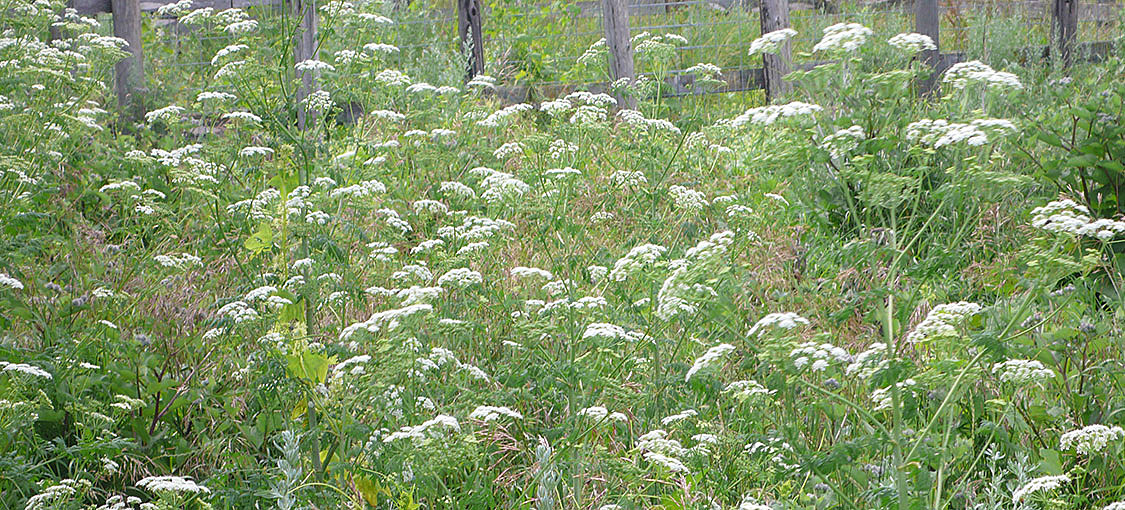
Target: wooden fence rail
774,15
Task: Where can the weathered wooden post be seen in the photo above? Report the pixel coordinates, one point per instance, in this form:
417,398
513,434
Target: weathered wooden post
305,48
775,16
1064,24
615,18
472,40
129,72
926,22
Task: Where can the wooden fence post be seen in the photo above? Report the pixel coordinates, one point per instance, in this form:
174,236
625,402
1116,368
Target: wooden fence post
472,39
775,16
615,19
130,71
926,22
305,49
1064,24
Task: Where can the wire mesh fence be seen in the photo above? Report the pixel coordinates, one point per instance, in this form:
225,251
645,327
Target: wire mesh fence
542,44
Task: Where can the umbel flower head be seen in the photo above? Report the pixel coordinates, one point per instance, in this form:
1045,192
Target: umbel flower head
963,74
912,42
1069,217
942,321
783,320
767,115
172,484
710,358
771,42
1090,439
1023,372
1037,485
843,37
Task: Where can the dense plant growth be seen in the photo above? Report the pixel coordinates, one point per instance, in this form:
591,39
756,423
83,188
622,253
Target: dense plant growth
861,296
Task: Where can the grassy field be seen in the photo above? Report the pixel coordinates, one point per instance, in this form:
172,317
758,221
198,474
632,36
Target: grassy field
859,296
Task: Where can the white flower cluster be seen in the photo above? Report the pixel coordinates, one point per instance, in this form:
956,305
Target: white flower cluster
508,150
582,97
657,440
940,132
178,260
392,78
747,389
56,496
767,115
670,463
313,65
461,278
778,450
457,189
239,311
843,37
599,413
867,362
318,101
689,284
709,359
604,330
635,119
532,272
783,320
588,115
434,427
482,81
819,355
172,484
705,70
771,42
963,74
561,148
912,42
1090,439
500,187
882,397
1023,372
662,451
628,178
169,112
843,141
638,258
1036,485
391,319
942,321
493,413
1070,217
750,504
24,368
119,502
680,416
7,282
354,365
417,294
475,228
688,199
504,114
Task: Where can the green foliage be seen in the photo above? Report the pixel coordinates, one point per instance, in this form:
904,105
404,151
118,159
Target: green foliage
450,302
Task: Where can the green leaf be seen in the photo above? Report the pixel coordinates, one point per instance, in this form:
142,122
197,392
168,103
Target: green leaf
1050,138
309,366
260,239
1112,166
293,312
1082,161
285,182
1050,461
